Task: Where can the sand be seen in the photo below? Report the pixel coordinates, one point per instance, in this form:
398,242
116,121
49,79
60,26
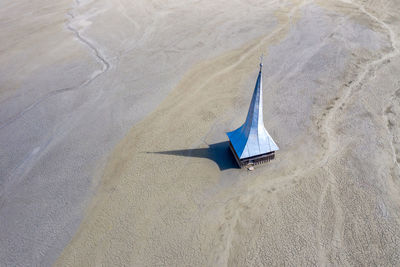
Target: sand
113,117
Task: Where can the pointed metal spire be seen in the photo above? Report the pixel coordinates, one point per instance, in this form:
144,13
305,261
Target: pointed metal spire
252,139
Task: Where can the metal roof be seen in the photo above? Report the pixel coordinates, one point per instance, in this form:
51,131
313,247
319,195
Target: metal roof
252,139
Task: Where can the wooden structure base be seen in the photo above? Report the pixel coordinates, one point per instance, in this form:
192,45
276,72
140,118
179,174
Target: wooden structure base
255,160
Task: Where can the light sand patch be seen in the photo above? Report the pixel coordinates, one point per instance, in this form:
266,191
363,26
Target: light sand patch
207,91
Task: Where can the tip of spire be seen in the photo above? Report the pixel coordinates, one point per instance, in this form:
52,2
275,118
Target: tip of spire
261,61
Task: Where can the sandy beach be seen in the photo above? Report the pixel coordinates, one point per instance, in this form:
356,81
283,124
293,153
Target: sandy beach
113,116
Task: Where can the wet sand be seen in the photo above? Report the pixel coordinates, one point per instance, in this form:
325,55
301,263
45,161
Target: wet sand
131,165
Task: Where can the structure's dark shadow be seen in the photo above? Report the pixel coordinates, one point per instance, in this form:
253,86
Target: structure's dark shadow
219,153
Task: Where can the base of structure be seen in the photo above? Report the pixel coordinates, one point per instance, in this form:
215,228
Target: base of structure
251,161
